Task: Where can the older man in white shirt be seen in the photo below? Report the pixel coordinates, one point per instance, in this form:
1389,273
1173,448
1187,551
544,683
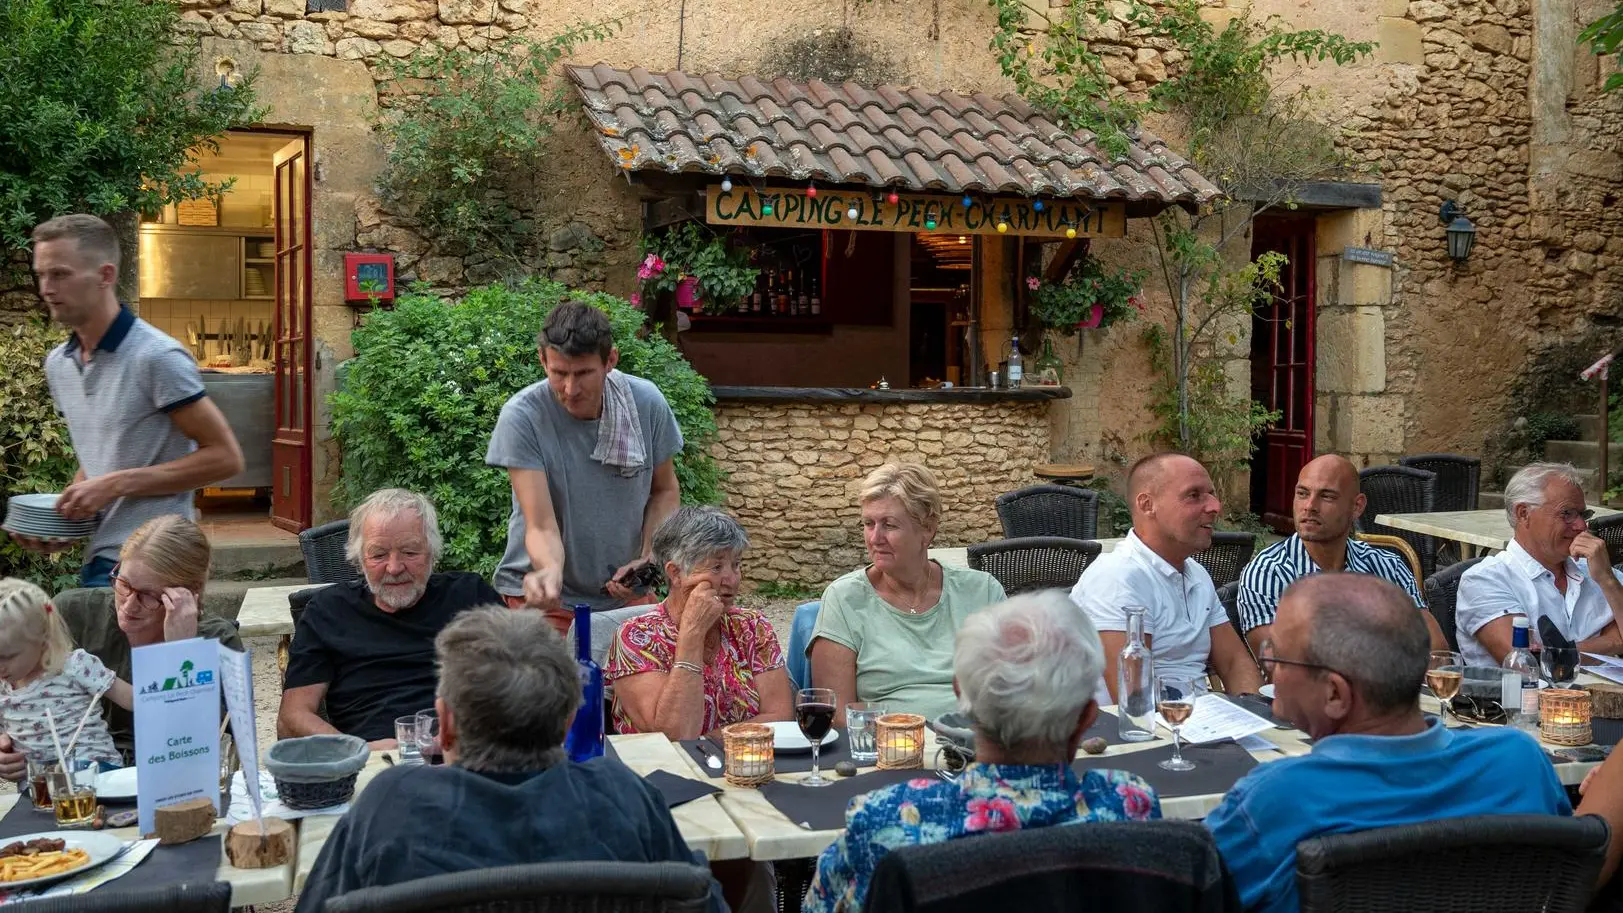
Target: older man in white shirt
1174,508
1554,568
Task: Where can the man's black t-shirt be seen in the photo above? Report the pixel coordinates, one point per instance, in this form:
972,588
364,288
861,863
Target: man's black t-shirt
377,666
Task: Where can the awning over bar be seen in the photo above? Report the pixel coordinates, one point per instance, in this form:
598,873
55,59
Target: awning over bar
884,136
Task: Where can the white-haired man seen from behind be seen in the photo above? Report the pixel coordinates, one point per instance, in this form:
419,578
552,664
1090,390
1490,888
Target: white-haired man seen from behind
1024,671
366,647
1554,568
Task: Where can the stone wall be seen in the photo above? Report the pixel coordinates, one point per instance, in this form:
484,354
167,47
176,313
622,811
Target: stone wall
796,470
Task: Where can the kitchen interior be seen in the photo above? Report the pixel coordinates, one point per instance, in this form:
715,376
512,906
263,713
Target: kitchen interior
208,278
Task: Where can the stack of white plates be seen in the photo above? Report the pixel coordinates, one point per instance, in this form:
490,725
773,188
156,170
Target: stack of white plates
35,516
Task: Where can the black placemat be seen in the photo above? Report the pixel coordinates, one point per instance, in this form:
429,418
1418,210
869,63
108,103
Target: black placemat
1218,766
23,819
679,790
822,808
188,863
1106,727
1261,706
1607,732
781,763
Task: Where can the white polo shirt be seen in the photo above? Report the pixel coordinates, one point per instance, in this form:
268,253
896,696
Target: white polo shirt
1513,583
1181,606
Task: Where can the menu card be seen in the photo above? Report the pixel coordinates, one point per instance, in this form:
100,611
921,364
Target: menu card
1217,718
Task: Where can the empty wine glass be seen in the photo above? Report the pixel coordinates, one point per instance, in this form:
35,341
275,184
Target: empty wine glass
1175,701
814,711
1445,673
1559,664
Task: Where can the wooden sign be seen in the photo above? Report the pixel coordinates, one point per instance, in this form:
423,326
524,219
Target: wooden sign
793,208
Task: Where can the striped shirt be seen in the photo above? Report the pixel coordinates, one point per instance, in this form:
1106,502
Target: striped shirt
1283,563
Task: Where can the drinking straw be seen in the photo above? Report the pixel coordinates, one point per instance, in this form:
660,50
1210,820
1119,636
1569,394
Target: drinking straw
55,740
94,703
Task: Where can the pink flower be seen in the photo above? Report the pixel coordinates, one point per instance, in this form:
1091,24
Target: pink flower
636,300
1135,301
651,267
1032,282
991,815
1134,801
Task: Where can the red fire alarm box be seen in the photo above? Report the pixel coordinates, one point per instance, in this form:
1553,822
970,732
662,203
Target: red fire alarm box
368,278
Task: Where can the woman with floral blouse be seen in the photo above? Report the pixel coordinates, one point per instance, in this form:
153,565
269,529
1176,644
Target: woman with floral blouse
1025,671
697,661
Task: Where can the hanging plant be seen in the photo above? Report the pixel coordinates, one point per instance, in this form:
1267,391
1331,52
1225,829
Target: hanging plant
697,265
1091,296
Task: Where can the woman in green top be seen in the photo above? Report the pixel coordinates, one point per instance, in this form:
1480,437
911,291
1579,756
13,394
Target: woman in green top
885,632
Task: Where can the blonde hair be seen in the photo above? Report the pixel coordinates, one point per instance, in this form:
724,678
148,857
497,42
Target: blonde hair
909,483
173,548
26,617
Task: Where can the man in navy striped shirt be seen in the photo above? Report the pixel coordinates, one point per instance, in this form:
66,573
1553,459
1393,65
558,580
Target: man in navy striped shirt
1326,504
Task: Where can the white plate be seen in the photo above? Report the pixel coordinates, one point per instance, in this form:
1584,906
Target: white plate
101,847
1267,691
36,501
38,533
116,784
786,738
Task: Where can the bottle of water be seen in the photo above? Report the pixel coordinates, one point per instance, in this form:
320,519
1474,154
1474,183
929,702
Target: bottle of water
1135,683
1017,369
1518,683
584,741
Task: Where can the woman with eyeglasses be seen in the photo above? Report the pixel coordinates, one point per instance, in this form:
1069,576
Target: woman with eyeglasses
156,596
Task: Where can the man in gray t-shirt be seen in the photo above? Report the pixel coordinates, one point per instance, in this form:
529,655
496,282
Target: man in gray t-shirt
145,434
579,525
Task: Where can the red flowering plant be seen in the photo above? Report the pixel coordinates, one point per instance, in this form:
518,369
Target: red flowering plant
717,274
1090,296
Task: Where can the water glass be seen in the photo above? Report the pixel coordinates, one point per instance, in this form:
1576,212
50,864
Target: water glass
405,736
428,738
39,780
860,729
73,791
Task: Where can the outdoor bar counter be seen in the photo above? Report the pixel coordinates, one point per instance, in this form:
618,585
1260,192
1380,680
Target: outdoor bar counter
795,458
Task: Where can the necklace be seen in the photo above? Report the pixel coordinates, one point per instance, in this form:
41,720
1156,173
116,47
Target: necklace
914,606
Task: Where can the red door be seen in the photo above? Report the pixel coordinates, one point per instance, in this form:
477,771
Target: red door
290,448
1282,368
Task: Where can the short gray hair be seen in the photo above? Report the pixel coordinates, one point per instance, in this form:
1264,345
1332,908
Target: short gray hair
511,687
1528,484
1369,631
1027,668
391,502
692,534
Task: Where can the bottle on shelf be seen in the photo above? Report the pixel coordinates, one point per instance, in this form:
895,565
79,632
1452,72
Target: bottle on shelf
816,301
1016,363
1518,683
771,292
1048,370
803,303
584,741
755,297
1135,683
783,292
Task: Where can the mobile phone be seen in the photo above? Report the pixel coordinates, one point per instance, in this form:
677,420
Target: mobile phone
1582,754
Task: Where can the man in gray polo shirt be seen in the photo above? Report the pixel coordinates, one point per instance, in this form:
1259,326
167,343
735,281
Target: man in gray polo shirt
145,434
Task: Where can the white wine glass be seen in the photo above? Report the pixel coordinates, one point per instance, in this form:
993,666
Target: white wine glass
1175,701
1445,673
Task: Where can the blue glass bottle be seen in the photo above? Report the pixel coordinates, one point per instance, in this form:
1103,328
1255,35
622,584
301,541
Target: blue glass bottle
584,740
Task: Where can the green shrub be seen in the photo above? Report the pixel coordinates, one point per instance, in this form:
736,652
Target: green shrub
429,378
1550,426
35,453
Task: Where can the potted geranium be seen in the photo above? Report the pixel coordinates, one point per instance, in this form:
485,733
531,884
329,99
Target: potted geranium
698,266
1091,296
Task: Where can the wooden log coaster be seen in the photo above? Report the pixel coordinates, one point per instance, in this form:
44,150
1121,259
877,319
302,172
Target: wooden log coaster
250,848
183,822
1608,700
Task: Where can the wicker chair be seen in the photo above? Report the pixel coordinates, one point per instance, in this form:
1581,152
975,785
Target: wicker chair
1489,864
1457,487
324,559
1229,595
1227,557
1442,592
1397,546
1049,510
1035,562
553,887
212,897
1610,529
1400,490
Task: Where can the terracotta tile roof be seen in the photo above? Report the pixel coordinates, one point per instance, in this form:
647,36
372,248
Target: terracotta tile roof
880,136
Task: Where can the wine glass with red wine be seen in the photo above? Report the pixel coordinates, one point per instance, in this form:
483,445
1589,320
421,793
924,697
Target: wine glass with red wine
814,711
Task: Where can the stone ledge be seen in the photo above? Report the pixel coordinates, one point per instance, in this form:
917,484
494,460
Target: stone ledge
952,396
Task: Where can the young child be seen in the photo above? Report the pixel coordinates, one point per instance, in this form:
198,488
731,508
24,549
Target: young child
40,669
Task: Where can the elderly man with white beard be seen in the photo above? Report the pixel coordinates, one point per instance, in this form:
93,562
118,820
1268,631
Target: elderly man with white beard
366,647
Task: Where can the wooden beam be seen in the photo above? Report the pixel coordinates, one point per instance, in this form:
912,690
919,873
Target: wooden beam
671,210
1069,252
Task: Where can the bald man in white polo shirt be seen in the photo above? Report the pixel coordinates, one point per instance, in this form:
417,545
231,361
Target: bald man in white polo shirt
1174,508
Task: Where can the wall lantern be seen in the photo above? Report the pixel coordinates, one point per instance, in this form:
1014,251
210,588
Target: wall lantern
1461,232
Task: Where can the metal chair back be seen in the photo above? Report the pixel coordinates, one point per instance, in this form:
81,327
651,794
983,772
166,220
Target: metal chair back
1227,556
546,887
1401,548
1049,510
1400,490
1442,592
1034,562
1488,864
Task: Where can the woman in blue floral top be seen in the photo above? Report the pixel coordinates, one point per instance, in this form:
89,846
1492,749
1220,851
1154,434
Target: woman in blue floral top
1024,672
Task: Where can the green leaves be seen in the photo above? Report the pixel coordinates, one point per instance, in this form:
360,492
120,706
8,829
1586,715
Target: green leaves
694,249
35,455
1063,305
99,111
1604,35
422,395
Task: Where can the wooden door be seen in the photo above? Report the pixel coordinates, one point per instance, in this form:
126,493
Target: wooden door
1282,354
290,448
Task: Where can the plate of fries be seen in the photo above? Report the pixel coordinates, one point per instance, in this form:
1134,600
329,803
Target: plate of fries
37,859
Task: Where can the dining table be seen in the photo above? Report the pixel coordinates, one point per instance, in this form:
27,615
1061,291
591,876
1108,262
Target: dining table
1480,529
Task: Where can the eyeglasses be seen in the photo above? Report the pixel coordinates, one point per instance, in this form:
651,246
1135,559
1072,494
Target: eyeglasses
1266,655
123,588
1567,514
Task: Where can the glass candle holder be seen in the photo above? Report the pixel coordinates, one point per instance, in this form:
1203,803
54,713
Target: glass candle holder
900,739
748,747
1565,717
